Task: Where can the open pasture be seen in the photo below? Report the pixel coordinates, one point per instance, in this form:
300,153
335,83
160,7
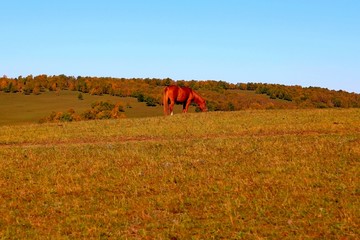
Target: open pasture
17,108
276,174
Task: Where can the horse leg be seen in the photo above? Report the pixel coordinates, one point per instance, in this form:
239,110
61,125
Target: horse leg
186,106
171,107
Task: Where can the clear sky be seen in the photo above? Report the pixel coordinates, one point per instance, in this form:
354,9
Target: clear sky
292,42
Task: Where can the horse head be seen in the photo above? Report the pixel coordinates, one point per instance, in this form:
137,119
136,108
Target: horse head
201,102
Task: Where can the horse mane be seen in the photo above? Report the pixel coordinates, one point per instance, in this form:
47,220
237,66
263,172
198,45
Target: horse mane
197,98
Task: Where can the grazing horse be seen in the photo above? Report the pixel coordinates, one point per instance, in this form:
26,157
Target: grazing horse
184,95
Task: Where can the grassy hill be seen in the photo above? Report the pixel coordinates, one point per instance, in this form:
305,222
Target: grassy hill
276,174
220,95
17,108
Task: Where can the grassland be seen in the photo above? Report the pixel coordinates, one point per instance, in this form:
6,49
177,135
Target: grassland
19,108
276,174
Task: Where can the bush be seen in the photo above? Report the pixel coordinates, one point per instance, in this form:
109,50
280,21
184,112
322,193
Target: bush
102,106
231,106
151,102
141,97
287,97
103,115
88,115
337,102
99,110
211,106
66,117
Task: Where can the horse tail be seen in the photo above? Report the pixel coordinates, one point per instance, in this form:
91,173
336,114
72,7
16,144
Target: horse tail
166,101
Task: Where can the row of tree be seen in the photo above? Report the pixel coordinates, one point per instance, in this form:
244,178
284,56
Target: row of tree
219,94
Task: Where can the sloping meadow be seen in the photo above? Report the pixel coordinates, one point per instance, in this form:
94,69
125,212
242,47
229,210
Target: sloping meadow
276,174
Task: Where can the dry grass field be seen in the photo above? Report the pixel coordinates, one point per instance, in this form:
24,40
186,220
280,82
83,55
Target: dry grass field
275,174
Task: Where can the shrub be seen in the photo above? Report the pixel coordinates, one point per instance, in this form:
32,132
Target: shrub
66,117
151,102
103,115
99,110
102,106
141,97
88,115
231,106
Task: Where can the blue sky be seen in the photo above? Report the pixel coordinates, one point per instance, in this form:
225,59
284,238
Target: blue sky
302,42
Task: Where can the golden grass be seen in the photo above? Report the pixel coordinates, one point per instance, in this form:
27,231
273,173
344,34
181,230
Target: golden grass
279,174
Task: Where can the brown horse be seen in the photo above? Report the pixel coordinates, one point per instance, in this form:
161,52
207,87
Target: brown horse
184,95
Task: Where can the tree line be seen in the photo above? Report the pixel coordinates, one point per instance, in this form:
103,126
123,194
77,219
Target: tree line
220,95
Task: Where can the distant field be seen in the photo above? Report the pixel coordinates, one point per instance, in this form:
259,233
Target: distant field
20,108
275,174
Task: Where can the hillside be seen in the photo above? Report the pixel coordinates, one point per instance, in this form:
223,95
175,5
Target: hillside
17,108
220,95
21,108
280,174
